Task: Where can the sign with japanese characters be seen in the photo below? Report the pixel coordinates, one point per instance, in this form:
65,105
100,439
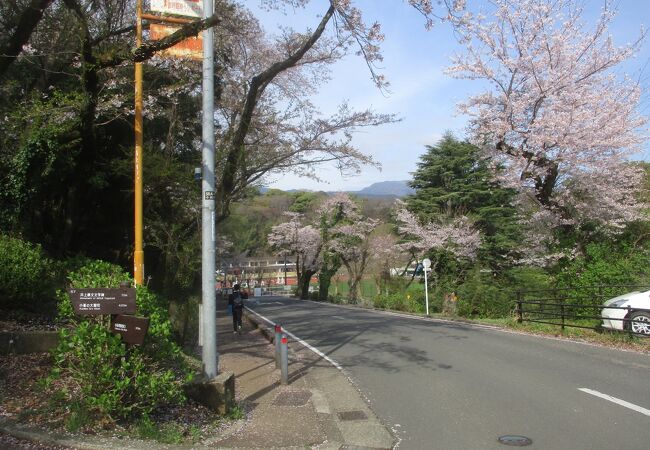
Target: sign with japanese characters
132,329
188,8
95,301
191,47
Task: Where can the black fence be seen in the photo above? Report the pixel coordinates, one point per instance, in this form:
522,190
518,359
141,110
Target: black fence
579,308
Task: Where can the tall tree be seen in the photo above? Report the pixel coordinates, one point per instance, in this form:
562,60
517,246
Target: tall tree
66,101
454,178
304,243
558,119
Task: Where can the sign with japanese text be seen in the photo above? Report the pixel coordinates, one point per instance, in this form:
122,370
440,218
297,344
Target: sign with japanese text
132,329
191,47
95,301
188,8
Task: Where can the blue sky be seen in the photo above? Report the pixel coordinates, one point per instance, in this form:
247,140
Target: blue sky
421,94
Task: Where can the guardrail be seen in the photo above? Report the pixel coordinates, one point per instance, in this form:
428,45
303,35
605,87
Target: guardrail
558,307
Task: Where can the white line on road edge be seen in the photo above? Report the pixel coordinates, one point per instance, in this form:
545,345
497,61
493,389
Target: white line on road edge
618,401
297,339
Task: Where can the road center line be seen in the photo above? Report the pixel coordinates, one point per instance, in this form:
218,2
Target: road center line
618,401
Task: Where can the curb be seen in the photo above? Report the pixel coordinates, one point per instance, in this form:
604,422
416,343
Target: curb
336,439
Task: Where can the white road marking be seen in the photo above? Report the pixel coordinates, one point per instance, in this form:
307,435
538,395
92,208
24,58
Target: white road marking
618,401
297,339
338,317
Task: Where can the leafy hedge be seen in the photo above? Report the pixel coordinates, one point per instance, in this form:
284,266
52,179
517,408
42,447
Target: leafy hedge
99,379
27,276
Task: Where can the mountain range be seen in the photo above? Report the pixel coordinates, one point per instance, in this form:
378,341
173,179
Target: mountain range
381,189
386,189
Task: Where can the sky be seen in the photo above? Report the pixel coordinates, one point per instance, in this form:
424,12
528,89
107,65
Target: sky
421,95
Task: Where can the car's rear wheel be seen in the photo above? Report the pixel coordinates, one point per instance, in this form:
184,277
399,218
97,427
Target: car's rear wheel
640,322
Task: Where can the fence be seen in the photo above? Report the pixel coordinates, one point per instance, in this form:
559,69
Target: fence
576,307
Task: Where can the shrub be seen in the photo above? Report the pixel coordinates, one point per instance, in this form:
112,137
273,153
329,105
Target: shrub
104,378
27,276
407,302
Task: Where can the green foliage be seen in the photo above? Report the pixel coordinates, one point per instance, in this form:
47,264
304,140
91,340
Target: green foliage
89,274
604,264
112,382
167,433
303,202
454,179
483,298
105,379
407,302
34,160
27,276
236,413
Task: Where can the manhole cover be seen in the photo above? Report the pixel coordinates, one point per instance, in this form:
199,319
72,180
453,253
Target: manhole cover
292,398
352,415
515,441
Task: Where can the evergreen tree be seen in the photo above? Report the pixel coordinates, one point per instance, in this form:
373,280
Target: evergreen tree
453,179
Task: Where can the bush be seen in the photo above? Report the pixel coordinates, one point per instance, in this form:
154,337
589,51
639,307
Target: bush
603,265
100,375
108,381
407,302
27,276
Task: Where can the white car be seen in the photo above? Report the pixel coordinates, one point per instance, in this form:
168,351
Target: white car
630,312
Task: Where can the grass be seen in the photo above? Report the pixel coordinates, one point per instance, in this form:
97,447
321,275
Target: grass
601,337
167,433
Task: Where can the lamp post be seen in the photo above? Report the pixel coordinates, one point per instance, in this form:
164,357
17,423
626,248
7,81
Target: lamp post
427,266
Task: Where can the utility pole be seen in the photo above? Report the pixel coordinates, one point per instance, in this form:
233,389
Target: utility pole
138,254
210,355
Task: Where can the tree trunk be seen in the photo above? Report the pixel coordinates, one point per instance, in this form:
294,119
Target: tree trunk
303,283
325,280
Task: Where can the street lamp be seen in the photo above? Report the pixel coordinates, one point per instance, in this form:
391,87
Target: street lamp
427,266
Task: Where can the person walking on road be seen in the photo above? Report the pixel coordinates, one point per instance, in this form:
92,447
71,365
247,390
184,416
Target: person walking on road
236,300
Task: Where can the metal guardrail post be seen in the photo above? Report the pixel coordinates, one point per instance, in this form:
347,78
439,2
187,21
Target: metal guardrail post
278,337
284,360
562,313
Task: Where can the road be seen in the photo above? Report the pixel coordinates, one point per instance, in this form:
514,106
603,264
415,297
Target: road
444,385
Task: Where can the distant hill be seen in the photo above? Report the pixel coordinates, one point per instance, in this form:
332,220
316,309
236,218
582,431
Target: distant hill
386,188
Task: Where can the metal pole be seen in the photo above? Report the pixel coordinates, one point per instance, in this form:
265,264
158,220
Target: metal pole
426,290
138,254
284,360
210,355
278,337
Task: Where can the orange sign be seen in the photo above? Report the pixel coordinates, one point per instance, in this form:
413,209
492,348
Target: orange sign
191,48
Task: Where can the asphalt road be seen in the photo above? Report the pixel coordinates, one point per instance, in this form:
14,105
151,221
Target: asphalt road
443,385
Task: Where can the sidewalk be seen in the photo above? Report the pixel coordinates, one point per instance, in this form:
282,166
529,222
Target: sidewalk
319,408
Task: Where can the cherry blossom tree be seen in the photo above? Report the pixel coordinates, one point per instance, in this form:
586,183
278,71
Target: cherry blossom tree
352,243
333,213
454,235
385,255
302,241
557,118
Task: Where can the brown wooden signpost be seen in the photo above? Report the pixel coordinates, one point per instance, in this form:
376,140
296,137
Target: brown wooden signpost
95,301
132,329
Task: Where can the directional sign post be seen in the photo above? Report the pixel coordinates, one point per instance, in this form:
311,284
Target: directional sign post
427,266
132,329
95,301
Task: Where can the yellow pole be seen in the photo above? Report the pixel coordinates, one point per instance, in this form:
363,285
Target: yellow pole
138,256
